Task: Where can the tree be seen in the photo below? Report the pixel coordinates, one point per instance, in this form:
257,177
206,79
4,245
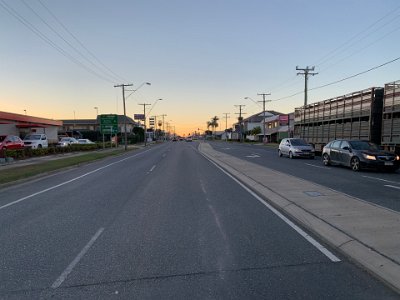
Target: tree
213,123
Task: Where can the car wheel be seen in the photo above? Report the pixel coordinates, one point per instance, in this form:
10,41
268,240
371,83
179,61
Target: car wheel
279,153
326,159
291,155
355,164
39,146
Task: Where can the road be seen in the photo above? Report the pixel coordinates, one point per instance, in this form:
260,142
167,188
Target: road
376,187
161,223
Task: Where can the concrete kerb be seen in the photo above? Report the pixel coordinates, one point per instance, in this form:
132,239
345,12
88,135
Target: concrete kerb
372,258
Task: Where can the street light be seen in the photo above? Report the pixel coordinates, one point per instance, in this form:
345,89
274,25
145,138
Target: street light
140,85
97,115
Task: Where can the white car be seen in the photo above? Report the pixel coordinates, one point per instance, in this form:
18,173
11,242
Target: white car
67,141
293,147
36,141
85,141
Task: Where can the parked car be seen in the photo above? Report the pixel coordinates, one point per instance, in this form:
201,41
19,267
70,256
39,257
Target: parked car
36,141
10,142
85,141
189,139
67,141
358,155
294,147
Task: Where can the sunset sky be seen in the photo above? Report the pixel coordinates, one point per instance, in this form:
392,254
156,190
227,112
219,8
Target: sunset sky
60,59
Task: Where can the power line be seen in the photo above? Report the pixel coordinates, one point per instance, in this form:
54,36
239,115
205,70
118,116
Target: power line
43,37
355,75
79,42
343,79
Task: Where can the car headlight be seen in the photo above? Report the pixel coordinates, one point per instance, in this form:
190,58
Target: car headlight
370,157
397,157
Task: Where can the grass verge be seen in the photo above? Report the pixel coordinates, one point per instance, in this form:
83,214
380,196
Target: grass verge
22,172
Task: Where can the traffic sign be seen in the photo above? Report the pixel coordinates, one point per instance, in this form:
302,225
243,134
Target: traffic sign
108,124
138,117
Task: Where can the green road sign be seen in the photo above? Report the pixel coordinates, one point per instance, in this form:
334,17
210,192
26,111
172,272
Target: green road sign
108,124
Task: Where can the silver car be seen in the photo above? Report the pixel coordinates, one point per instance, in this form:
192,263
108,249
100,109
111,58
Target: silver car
294,147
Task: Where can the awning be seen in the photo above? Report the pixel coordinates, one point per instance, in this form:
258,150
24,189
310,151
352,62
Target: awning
31,126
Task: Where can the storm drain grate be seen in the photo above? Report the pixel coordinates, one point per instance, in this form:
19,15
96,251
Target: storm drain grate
313,194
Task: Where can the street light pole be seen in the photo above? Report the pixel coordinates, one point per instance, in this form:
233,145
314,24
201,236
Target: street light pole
145,127
123,98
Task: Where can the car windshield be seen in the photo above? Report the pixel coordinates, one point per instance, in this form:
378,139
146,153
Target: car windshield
363,145
32,137
298,142
2,137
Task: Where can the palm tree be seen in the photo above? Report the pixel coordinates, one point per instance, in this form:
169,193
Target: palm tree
213,123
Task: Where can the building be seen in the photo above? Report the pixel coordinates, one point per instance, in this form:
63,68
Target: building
94,124
278,127
21,125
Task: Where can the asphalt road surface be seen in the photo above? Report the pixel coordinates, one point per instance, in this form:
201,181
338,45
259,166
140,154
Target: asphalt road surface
161,223
376,187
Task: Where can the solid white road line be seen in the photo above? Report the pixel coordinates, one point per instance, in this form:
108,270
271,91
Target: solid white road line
71,266
152,168
381,179
311,240
69,181
392,186
320,167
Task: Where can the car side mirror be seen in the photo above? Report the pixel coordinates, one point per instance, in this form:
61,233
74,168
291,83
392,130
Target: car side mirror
347,148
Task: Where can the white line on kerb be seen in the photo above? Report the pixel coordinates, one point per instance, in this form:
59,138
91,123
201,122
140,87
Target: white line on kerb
392,186
311,240
71,266
69,181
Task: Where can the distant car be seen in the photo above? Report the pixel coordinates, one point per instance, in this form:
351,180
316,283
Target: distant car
67,141
36,141
359,155
85,141
174,139
10,142
189,139
294,147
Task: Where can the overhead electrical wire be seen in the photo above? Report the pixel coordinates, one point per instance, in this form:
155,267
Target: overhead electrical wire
66,41
345,46
47,40
81,43
341,80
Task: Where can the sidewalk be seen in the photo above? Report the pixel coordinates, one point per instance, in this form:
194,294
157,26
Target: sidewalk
367,234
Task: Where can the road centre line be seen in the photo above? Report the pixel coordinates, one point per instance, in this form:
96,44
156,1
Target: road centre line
76,260
69,181
306,236
392,186
152,168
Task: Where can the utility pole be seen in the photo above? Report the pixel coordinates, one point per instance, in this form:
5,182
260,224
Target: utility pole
264,94
123,99
226,125
306,73
240,119
145,128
